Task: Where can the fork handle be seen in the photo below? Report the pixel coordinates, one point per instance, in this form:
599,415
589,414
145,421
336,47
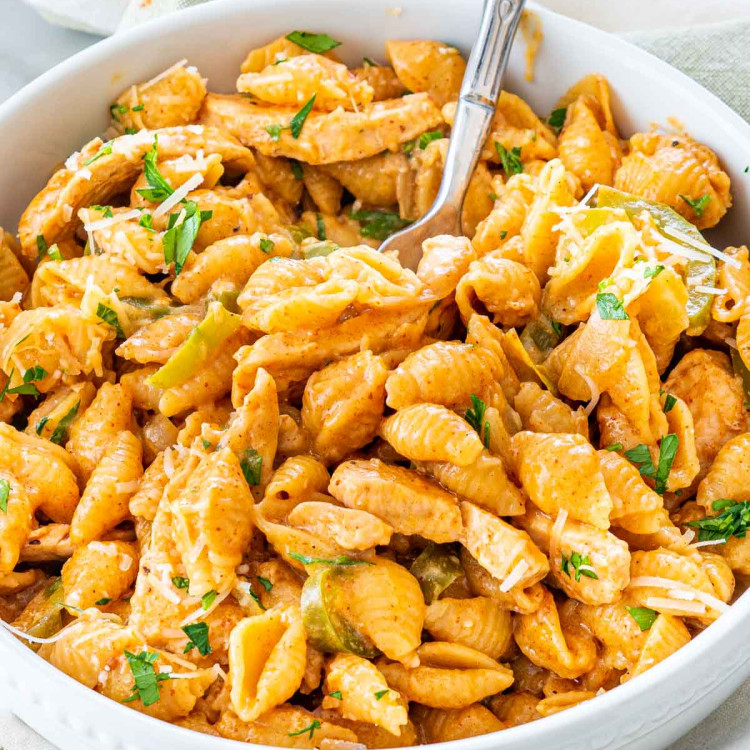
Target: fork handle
480,91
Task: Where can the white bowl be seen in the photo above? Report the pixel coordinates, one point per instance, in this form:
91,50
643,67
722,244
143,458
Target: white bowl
64,108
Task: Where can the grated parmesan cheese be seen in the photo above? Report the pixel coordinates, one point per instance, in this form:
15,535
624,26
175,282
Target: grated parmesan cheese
703,247
178,195
675,606
586,198
31,638
163,74
709,289
108,221
514,576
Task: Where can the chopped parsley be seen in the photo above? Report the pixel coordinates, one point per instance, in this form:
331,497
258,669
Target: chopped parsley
296,168
130,131
147,222
138,108
251,464
580,564
340,560
208,599
317,43
380,694
41,245
180,583
266,246
697,204
426,138
198,638
296,123
336,694
311,728
610,307
27,387
109,316
644,616
117,110
4,495
320,227
368,62
181,232
274,131
51,251
557,118
613,447
146,679
158,188
652,272
378,224
732,521
105,150
267,585
103,602
503,234
40,425
556,327
475,417
511,160
641,455
669,403
59,433
105,210
256,599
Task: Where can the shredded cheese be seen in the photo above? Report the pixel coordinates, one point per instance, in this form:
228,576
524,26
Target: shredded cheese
709,289
179,194
31,638
200,612
555,536
708,543
675,606
703,247
586,198
515,576
108,221
163,74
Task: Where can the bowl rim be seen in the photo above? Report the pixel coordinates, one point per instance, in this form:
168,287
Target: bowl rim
639,62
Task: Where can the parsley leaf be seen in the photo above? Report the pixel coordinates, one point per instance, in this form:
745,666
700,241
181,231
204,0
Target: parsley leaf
511,160
182,230
105,150
138,108
321,227
426,138
557,118
556,327
274,131
59,433
644,616
581,565
610,307
208,599
267,585
652,272
180,583
378,224
51,251
380,694
40,425
317,43
340,560
335,694
109,316
266,246
697,204
614,447
27,387
669,403
640,454
41,245
146,679
147,222
4,495
733,521
475,417
296,169
103,602
251,464
159,189
311,728
296,123
198,635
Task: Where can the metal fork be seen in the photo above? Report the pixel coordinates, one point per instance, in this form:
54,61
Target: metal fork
471,126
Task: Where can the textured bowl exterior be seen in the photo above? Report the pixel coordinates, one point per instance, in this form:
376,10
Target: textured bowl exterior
64,108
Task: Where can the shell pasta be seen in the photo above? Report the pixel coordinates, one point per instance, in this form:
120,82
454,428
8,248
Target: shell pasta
259,480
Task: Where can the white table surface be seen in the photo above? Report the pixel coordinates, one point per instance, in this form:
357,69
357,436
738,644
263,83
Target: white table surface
29,46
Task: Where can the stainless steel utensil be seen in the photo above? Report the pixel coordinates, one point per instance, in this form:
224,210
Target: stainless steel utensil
476,107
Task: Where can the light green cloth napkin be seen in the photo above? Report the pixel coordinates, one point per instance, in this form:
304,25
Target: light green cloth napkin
715,55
